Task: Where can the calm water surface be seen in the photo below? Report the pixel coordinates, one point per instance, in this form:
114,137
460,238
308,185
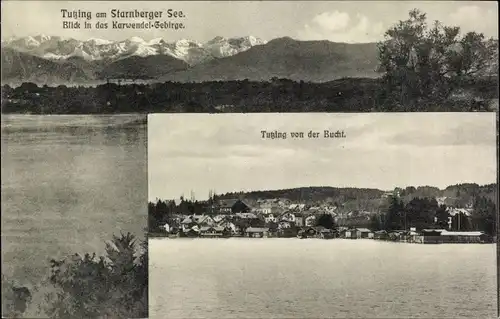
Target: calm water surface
293,278
68,184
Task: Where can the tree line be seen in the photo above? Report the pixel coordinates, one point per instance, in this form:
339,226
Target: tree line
345,95
426,213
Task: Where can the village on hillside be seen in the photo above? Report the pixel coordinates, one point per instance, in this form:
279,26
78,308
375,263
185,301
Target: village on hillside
421,220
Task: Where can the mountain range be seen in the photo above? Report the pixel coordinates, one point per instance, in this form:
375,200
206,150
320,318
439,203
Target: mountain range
56,60
58,48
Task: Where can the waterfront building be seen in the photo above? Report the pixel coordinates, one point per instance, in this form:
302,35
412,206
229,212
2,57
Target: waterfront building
258,232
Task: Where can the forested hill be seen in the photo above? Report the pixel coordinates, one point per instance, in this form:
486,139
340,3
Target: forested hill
310,194
459,194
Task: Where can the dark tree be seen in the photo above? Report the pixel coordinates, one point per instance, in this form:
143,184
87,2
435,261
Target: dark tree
484,215
422,63
327,221
442,217
376,222
420,212
394,216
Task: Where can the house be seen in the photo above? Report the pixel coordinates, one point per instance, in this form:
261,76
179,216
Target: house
288,217
203,220
228,225
380,235
193,231
266,207
310,220
307,232
284,224
256,232
187,220
208,231
246,215
232,206
413,236
219,218
225,206
165,227
431,232
284,202
240,207
349,234
299,221
270,218
263,210
359,233
325,233
395,235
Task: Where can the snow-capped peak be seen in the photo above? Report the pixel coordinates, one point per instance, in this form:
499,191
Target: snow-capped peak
216,40
97,41
156,41
55,47
186,43
222,47
135,40
42,38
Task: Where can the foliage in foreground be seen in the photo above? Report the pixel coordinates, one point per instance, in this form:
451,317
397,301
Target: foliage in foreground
425,63
111,286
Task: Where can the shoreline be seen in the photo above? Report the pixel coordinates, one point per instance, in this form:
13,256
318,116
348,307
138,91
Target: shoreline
156,237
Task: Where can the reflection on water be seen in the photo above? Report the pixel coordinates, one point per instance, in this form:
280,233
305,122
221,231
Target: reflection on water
68,184
293,278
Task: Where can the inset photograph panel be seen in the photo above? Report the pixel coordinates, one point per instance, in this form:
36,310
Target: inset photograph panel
93,57
74,190
322,215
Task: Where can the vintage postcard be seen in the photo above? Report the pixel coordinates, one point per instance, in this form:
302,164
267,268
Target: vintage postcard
78,79
322,215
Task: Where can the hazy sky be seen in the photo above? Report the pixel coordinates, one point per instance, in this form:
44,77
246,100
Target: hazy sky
225,152
346,21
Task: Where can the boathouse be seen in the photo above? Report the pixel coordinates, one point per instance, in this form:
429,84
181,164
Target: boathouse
441,236
256,232
307,232
362,233
209,231
381,235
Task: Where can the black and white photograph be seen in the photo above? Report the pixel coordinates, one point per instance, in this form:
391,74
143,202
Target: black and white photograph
367,215
317,123
62,57
74,190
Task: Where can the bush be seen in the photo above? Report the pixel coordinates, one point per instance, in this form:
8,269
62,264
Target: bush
111,286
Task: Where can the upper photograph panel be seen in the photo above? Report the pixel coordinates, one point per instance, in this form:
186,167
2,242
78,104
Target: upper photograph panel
261,56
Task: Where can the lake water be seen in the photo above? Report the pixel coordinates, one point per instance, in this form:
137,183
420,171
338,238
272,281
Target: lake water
293,278
68,184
